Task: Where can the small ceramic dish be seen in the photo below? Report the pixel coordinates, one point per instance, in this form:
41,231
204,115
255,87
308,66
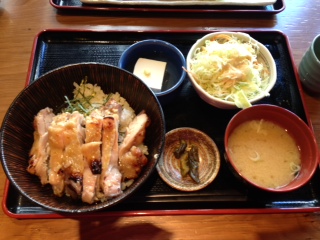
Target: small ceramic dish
169,168
157,50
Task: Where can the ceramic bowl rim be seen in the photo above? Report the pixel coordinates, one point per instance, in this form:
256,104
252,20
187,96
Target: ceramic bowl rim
285,112
223,103
93,207
162,43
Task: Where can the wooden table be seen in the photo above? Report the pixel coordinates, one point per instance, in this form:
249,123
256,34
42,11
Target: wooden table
21,20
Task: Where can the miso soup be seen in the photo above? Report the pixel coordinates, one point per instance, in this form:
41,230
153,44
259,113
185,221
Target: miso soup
264,153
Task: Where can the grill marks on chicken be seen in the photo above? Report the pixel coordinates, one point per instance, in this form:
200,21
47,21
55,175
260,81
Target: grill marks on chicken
39,153
66,163
110,175
91,151
81,157
131,157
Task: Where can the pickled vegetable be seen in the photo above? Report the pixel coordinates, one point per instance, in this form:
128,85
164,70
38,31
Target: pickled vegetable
194,164
180,149
189,160
184,164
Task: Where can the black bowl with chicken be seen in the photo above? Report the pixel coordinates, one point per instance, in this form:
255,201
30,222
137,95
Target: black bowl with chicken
51,91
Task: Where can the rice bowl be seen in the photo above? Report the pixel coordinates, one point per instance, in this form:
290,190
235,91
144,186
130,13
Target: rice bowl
58,84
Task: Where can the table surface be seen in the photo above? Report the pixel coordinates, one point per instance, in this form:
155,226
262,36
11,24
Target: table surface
21,20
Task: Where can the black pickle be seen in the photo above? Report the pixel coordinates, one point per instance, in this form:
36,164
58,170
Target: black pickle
180,150
194,164
189,160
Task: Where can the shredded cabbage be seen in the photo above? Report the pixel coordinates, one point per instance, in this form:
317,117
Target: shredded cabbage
226,65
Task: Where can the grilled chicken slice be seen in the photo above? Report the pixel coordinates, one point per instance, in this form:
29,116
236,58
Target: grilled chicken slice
135,133
131,158
80,156
73,158
91,151
55,166
90,186
110,175
132,163
94,126
39,152
66,164
90,180
102,178
110,181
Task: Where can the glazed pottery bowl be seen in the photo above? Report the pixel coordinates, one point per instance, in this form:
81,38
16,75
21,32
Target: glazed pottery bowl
51,90
290,124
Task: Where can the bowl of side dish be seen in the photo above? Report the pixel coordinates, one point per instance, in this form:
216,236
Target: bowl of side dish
59,138
271,148
159,63
231,70
190,160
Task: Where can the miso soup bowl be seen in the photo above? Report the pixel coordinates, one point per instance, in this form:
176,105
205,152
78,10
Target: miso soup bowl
294,125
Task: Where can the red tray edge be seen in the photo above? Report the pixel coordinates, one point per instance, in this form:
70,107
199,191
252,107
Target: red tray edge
57,215
156,9
159,212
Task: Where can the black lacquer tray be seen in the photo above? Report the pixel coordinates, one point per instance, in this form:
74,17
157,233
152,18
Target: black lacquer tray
75,6
55,48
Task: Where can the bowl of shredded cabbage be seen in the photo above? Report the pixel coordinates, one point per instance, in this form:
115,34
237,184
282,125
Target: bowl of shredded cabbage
231,69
